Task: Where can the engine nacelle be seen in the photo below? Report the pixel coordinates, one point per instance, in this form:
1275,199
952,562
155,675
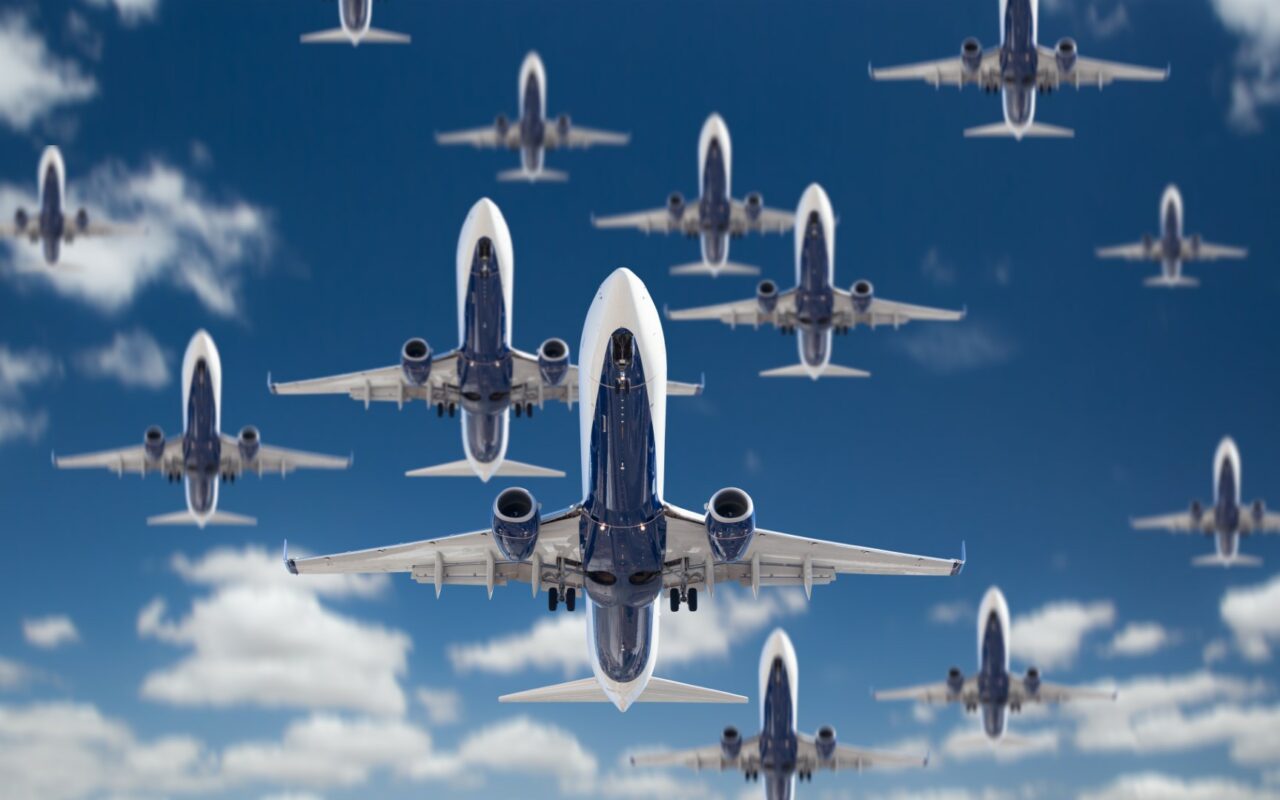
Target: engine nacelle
562,128
515,523
675,206
955,681
731,523
863,291
1197,512
1259,511
415,361
249,441
553,361
1032,681
501,125
825,743
20,220
1195,245
1065,53
767,296
1148,243
153,444
971,55
82,220
730,743
754,205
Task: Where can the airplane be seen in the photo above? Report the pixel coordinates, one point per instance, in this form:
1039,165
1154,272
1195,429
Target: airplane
715,217
1173,248
53,227
623,544
357,28
1019,69
814,306
994,688
531,132
779,751
485,377
1227,521
203,457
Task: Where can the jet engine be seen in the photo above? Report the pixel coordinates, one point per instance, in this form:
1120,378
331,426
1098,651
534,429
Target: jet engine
863,291
1148,244
515,523
1197,512
153,444
553,361
1194,243
249,441
20,220
971,55
730,743
767,296
754,205
675,206
955,681
1065,54
1259,511
731,523
82,220
1032,681
415,361
501,125
825,743
562,128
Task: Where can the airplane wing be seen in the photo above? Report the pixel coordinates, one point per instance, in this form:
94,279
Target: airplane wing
700,758
742,312
1270,522
1193,250
887,312
849,758
131,460
1138,251
933,693
659,220
487,137
946,72
386,384
1178,522
1052,693
274,460
582,138
1091,72
765,220
529,387
471,559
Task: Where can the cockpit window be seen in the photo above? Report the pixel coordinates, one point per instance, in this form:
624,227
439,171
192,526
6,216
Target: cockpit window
622,349
814,225
603,578
486,249
641,578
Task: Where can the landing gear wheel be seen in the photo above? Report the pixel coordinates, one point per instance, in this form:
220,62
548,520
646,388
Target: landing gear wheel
439,409
570,599
528,410
692,599
675,599
519,408
553,598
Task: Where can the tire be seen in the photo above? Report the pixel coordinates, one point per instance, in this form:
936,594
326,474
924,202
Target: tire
553,598
692,602
570,599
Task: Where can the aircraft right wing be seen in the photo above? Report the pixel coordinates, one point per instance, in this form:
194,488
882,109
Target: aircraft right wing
659,220
849,758
946,72
743,220
581,138
1177,522
386,384
933,693
487,137
1052,693
700,758
1196,250
742,312
1138,251
887,312
131,460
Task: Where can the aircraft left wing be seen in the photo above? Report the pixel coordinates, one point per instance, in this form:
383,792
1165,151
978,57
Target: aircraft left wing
581,138
934,693
742,312
488,137
1091,72
658,220
946,72
131,460
849,758
528,385
1138,251
886,312
743,219
1196,250
274,460
1177,522
1270,522
1019,694
700,758
384,384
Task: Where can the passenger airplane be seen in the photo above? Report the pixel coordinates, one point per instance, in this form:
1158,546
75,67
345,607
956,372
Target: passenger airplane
532,133
814,306
1173,248
53,227
779,751
1019,68
994,688
623,544
715,216
203,456
485,376
1227,521
357,28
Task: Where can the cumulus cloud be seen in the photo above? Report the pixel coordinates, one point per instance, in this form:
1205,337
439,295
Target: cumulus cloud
1253,615
132,12
263,637
1140,639
443,706
936,269
179,235
21,370
1157,786
33,81
947,349
1051,637
951,613
13,675
1256,83
49,633
968,742
135,359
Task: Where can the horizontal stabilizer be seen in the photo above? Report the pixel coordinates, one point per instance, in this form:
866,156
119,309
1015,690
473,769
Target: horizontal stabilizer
999,130
588,690
803,371
465,469
1215,560
544,176
187,518
703,268
378,36
331,36
1164,282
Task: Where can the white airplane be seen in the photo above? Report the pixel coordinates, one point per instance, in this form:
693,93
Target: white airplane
994,688
1227,522
203,456
357,28
815,307
53,227
715,217
623,544
1019,69
780,752
532,133
1174,248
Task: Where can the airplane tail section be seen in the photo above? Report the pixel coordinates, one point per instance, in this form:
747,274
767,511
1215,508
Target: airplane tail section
805,371
1164,282
588,690
1036,130
543,176
378,36
1215,560
331,36
465,469
187,518
703,268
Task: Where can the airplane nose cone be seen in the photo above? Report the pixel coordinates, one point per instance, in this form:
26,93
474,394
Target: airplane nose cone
623,285
201,343
715,125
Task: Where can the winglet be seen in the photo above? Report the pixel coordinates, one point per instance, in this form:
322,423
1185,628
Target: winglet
289,563
958,567
702,383
271,387
53,457
871,71
927,755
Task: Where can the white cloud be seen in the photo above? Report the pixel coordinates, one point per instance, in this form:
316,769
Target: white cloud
937,270
1157,786
182,237
959,347
264,637
1140,639
19,371
1051,636
135,359
1215,651
33,81
969,742
1253,615
13,675
132,12
559,643
951,613
1256,83
50,632
444,706
292,796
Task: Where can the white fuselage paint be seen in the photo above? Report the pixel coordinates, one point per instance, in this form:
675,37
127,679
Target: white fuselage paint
815,199
714,130
1226,454
532,65
1020,129
52,157
202,348
1172,199
993,600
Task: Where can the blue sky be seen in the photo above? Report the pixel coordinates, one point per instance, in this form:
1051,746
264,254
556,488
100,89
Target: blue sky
299,210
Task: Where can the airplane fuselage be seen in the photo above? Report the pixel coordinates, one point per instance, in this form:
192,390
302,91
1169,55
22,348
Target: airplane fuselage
1171,233
993,663
202,429
1227,509
815,271
356,16
715,173
533,114
779,693
1019,61
52,222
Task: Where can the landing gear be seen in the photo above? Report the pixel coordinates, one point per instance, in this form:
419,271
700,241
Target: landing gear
528,410
553,598
691,598
519,408
675,599
688,597
453,408
439,409
570,599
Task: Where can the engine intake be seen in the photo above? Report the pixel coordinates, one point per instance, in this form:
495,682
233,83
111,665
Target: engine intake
825,743
516,519
730,743
82,220
955,681
501,124
971,55
1065,53
153,443
767,296
562,127
754,205
863,291
249,441
731,523
1032,681
20,220
415,361
675,206
553,361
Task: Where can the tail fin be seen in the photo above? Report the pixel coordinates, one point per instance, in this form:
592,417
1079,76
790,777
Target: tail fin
805,371
378,36
1215,560
503,469
1165,282
588,690
544,175
1036,130
703,268
331,36
187,518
